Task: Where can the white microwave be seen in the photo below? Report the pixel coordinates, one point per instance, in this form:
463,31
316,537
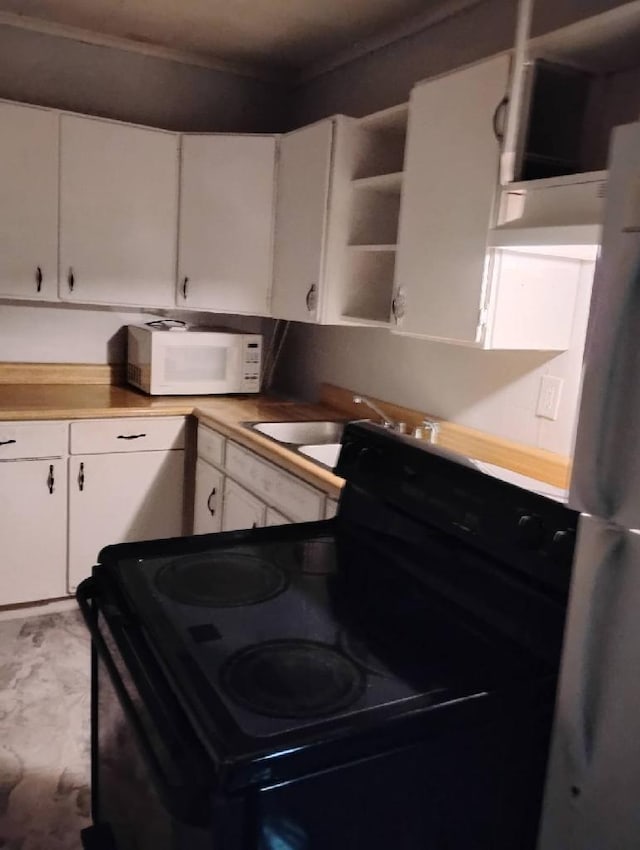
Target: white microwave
165,360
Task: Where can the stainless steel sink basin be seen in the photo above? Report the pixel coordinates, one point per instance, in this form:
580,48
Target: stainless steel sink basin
326,454
300,433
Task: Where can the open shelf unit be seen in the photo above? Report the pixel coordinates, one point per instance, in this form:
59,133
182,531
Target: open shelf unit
376,187
581,82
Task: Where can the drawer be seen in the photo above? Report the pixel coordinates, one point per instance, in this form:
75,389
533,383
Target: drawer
103,436
32,439
210,445
279,489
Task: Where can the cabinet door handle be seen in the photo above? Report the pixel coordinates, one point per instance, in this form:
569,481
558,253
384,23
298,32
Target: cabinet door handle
311,298
499,117
50,479
38,278
81,477
71,280
185,284
255,525
398,305
130,436
6,442
212,495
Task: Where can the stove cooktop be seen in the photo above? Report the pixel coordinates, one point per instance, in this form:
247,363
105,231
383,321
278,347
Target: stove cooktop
288,630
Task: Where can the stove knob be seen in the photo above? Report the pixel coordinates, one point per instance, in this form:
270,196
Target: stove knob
530,531
564,544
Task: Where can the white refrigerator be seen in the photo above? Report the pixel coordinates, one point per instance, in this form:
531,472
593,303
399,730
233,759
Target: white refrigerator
592,796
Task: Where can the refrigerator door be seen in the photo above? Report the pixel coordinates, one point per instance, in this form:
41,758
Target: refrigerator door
593,780
606,469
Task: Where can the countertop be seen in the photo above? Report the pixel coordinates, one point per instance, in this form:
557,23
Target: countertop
84,391
224,414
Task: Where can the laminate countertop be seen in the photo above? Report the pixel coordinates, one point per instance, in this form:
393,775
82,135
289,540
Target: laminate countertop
21,402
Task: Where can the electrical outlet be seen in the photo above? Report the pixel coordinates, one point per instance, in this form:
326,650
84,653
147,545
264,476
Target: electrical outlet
549,397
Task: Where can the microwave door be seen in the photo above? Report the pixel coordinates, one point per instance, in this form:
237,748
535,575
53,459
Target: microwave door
202,367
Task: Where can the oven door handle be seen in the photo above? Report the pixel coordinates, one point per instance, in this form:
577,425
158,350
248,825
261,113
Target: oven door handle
179,801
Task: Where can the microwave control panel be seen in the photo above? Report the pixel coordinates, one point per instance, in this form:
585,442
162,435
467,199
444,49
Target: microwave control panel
251,364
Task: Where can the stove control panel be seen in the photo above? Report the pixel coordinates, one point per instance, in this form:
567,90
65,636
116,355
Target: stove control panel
445,490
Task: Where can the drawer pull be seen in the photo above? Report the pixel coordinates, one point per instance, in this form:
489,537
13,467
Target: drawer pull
6,442
130,436
81,477
212,495
50,479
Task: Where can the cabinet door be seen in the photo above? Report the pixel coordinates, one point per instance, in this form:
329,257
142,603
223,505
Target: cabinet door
274,517
207,509
451,174
301,219
29,209
120,498
227,188
118,213
33,530
240,509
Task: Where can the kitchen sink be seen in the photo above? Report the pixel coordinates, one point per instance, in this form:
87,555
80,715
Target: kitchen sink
300,433
326,454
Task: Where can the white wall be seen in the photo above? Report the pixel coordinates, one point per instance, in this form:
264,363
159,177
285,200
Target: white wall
494,391
50,70
64,334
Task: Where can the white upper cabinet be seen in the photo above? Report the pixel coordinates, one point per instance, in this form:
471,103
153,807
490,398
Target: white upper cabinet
118,213
304,171
227,188
29,207
451,176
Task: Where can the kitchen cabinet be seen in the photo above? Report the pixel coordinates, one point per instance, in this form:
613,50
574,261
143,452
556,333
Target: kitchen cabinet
33,527
227,195
126,483
241,509
304,173
275,518
120,498
118,213
29,212
331,509
33,530
208,498
451,177
450,284
338,197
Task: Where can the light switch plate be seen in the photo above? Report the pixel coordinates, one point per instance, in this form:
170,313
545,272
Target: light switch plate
549,397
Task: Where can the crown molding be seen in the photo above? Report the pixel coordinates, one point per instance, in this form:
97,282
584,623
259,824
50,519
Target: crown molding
184,57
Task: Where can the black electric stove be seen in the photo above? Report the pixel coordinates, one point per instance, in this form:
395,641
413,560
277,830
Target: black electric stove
409,646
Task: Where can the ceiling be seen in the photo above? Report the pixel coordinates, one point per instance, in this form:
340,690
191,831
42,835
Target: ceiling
269,34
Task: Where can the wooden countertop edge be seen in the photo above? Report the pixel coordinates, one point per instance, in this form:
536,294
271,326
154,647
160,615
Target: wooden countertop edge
335,402
527,460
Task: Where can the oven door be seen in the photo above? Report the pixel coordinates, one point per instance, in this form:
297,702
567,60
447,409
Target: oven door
150,777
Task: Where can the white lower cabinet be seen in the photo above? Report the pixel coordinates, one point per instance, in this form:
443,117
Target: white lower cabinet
207,508
331,509
241,509
33,530
276,518
119,498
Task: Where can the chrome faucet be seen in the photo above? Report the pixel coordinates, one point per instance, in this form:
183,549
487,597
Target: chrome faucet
387,422
430,426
